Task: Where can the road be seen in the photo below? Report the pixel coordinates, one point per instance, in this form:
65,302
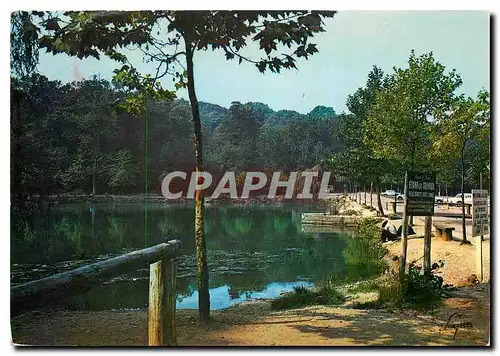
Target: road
455,221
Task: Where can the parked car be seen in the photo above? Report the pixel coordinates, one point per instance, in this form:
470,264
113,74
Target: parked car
457,200
441,199
389,193
400,196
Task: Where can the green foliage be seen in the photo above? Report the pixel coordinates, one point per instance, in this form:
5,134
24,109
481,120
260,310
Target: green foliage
64,133
235,140
303,297
322,112
138,89
393,216
419,290
371,285
24,42
462,135
397,128
298,142
355,161
122,170
211,115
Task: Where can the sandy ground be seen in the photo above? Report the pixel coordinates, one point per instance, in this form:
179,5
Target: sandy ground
462,321
459,260
254,324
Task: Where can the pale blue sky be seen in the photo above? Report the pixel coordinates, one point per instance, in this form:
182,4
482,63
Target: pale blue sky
353,42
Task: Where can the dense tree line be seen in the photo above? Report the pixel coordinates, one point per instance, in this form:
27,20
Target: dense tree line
74,138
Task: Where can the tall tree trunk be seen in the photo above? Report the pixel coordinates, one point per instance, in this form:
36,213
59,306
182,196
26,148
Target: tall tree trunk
379,200
371,194
16,164
94,169
395,203
146,179
92,206
201,246
464,232
404,236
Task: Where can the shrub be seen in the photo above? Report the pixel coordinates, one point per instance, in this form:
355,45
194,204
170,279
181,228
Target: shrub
302,297
423,290
393,216
419,290
371,285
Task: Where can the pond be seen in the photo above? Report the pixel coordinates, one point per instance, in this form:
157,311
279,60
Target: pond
253,251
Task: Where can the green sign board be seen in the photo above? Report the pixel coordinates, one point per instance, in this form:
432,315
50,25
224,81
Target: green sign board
420,190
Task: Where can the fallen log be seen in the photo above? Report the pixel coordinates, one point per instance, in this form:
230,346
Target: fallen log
41,292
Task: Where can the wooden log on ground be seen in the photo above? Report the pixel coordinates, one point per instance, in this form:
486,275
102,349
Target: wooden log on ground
44,291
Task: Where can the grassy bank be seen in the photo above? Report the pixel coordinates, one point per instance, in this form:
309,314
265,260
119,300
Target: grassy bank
367,272
364,259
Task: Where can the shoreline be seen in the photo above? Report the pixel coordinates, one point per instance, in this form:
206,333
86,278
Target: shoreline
157,199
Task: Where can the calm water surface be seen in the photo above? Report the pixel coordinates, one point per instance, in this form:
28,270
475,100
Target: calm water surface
253,252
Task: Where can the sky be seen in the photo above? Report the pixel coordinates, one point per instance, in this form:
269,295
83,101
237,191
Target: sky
353,42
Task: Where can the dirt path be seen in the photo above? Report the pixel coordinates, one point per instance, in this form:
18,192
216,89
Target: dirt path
254,324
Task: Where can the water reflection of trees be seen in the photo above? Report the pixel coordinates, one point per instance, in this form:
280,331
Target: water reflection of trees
250,246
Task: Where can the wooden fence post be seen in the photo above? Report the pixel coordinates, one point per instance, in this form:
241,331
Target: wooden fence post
170,331
161,316
157,296
427,244
479,258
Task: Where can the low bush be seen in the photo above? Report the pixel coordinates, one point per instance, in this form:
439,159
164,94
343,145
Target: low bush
393,216
301,297
371,285
422,291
